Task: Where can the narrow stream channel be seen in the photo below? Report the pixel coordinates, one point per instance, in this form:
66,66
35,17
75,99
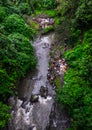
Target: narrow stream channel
44,114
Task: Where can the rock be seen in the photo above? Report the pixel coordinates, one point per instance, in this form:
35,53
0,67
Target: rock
11,101
34,98
23,105
31,128
48,76
44,91
24,99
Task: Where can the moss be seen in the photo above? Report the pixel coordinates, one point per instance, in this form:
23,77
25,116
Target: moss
57,20
48,29
49,13
34,25
57,81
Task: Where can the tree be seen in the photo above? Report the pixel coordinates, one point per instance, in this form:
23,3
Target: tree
76,94
14,23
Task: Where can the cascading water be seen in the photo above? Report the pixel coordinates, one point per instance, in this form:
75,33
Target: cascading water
36,116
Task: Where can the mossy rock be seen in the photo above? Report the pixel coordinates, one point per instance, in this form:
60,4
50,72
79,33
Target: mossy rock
34,25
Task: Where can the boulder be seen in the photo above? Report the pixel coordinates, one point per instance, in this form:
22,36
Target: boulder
44,91
34,98
32,128
23,105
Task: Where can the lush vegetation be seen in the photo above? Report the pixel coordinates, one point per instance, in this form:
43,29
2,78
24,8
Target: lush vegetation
16,52
73,20
75,30
48,29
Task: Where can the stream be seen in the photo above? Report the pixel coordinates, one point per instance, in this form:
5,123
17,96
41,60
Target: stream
45,114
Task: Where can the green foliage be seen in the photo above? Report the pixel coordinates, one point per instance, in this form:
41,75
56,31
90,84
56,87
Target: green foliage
36,4
49,13
50,4
48,29
88,37
34,25
14,23
76,94
4,116
57,21
13,9
16,52
3,13
6,83
24,53
75,15
63,30
24,8
84,11
10,6
43,4
4,2
17,56
75,37
57,82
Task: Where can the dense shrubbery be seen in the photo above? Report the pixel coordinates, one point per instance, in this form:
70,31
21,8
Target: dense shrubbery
75,16
24,8
48,29
17,56
3,13
41,4
76,94
14,23
4,116
83,13
16,52
24,52
73,29
49,13
50,4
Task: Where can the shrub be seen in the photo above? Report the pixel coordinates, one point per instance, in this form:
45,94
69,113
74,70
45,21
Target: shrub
76,94
48,29
14,23
3,13
24,8
13,9
34,25
4,116
22,53
16,56
83,13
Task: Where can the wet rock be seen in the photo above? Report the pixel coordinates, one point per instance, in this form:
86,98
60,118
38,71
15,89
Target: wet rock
33,127
48,76
23,105
34,78
11,101
24,99
34,98
39,77
44,91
